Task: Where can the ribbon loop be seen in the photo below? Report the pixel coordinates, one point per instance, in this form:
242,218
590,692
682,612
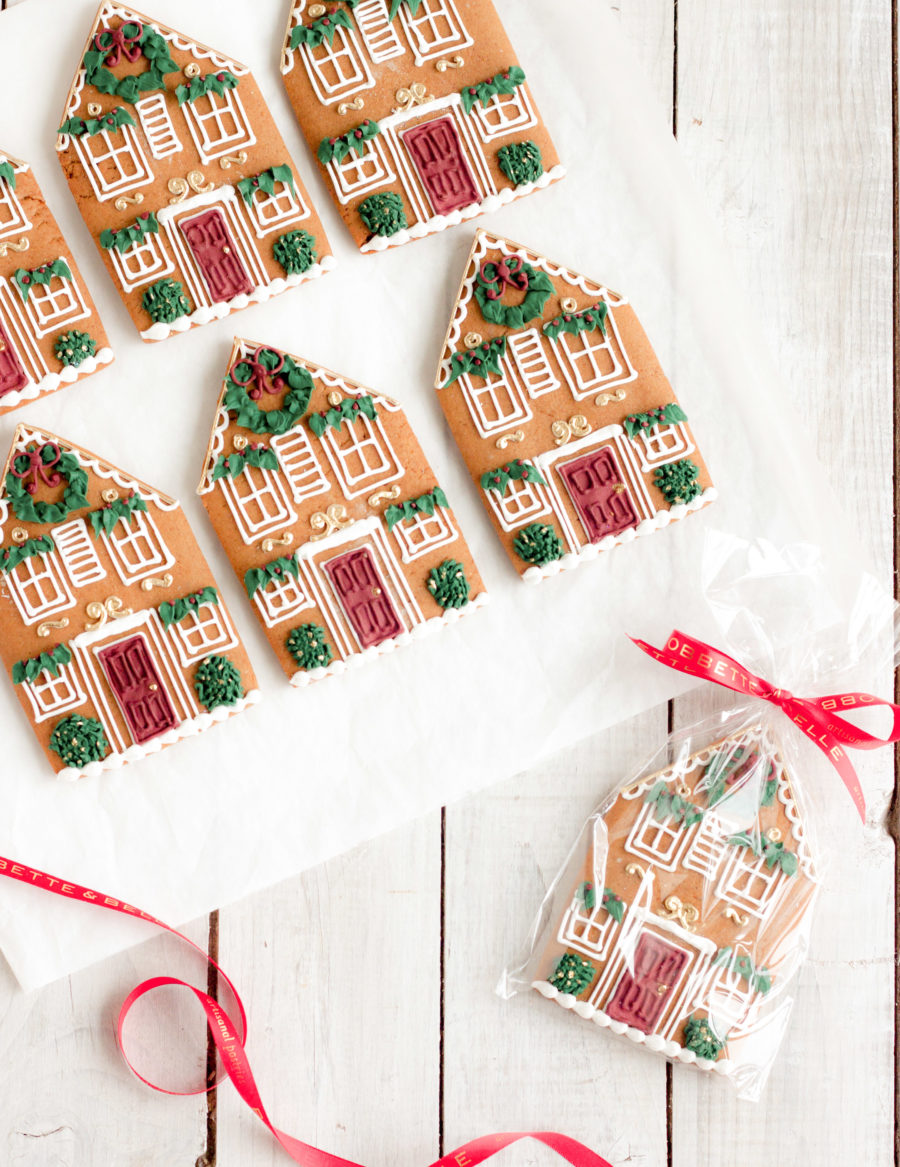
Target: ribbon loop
503,273
259,374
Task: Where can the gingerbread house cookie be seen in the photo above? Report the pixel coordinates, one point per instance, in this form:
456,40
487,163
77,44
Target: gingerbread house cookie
182,177
418,112
330,514
116,638
562,412
688,915
50,333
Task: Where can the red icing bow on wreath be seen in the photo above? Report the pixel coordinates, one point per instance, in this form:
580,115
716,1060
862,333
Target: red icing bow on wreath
259,374
37,468
494,276
116,42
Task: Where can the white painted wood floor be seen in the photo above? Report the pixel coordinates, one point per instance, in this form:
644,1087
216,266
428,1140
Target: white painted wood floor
375,1032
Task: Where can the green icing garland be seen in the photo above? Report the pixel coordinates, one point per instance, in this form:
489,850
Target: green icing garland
154,48
772,851
108,515
260,577
678,481
489,282
51,662
515,471
348,410
11,557
210,83
73,348
175,612
165,301
383,214
614,904
412,5
74,496
295,251
321,29
111,121
539,544
265,181
121,240
79,740
578,322
309,648
337,149
572,974
722,765
8,174
507,82
274,421
234,465
670,414
481,360
759,979
24,279
669,805
701,1040
585,892
217,682
425,504
448,584
521,162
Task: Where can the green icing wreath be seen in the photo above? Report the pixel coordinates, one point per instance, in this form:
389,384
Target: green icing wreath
383,214
53,464
678,482
217,682
295,251
73,348
701,1040
165,301
309,648
290,375
521,162
513,272
78,740
448,584
538,543
154,48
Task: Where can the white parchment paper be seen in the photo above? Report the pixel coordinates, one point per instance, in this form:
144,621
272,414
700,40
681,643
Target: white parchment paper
311,773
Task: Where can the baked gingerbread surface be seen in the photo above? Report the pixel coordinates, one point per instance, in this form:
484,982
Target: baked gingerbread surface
330,514
561,411
182,177
50,333
111,626
418,111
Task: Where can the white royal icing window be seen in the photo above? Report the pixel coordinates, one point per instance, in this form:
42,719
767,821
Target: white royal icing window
708,846
728,997
423,533
257,502
435,29
360,455
338,69
748,883
495,402
12,217
300,465
596,359
360,172
78,552
114,162
281,599
38,588
659,445
522,502
660,841
528,352
137,548
271,212
218,124
377,30
49,306
142,262
158,127
587,931
50,696
505,113
204,630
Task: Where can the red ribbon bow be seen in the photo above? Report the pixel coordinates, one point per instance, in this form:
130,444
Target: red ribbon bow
817,717
230,1036
37,468
506,273
119,43
260,374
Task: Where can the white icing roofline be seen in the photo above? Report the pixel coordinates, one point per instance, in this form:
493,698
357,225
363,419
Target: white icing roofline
18,165
93,462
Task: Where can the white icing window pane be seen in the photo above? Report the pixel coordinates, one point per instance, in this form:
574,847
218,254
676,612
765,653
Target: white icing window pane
76,549
337,69
12,217
137,547
141,263
494,402
300,464
281,599
360,454
659,445
114,161
257,502
37,589
53,304
218,123
436,28
504,113
423,534
51,695
596,359
275,210
202,631
661,841
748,883
522,502
588,932
360,172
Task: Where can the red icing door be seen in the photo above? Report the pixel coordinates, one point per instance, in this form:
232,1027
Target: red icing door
364,597
216,254
642,994
599,494
437,152
12,375
133,678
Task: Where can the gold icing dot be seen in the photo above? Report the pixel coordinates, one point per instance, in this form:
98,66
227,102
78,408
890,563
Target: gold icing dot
94,109
192,70
334,398
773,834
472,339
569,305
240,442
18,535
316,10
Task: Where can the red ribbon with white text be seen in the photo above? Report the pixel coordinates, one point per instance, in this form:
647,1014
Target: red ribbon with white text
230,1037
818,717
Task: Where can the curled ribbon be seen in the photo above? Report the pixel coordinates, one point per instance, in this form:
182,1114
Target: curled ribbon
37,468
260,374
230,1035
505,273
817,717
119,43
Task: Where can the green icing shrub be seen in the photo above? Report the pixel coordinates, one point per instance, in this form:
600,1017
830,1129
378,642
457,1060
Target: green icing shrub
309,648
448,584
383,214
538,544
79,740
521,162
73,348
678,481
165,301
218,682
295,251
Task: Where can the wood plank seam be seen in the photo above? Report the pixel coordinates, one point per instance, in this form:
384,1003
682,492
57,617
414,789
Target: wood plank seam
894,816
208,1158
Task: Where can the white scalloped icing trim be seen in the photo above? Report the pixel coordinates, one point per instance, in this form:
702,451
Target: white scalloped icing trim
485,207
304,677
653,1041
66,376
188,728
591,550
260,295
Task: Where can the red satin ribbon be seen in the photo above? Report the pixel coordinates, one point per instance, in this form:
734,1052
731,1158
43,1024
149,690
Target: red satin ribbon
230,1037
818,717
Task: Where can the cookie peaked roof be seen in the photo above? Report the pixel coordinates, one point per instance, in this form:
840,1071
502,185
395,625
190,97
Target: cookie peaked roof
490,247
